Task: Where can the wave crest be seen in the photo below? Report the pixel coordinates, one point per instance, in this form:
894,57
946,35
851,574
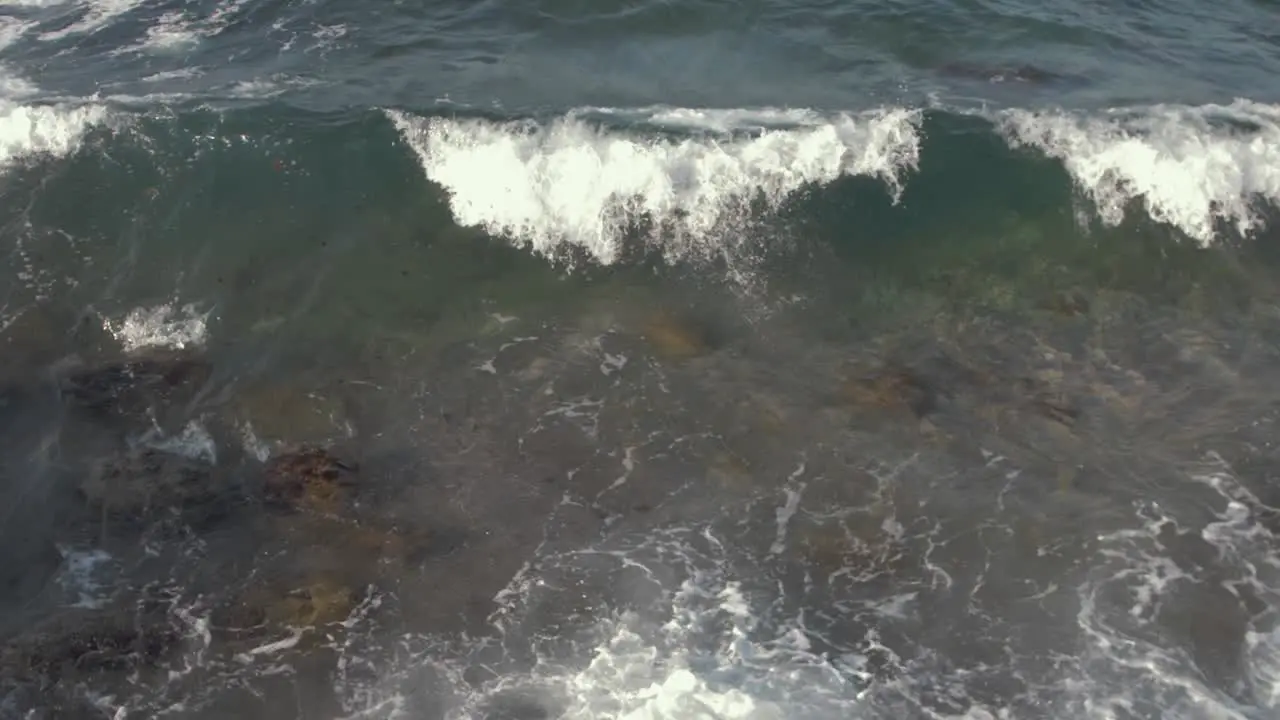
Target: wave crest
572,181
1192,167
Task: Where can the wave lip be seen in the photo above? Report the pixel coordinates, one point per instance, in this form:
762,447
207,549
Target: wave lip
1193,167
572,181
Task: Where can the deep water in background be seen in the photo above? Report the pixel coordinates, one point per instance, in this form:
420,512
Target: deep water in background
639,360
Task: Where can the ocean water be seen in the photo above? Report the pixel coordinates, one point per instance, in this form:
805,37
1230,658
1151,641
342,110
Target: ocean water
720,361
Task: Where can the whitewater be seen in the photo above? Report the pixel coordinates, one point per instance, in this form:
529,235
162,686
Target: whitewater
639,361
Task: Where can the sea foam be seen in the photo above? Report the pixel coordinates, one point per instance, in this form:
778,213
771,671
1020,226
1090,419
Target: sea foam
573,181
691,177
1191,167
160,326
95,16
27,130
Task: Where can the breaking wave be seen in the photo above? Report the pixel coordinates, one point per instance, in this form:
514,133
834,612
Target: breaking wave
1190,167
49,130
572,181
590,178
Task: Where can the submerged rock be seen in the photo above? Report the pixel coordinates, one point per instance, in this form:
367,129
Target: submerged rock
279,605
318,603
83,644
1045,394
310,480
893,387
1068,303
288,414
143,486
362,544
325,519
729,471
677,337
34,337
132,386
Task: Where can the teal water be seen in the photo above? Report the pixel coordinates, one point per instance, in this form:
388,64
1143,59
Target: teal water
699,360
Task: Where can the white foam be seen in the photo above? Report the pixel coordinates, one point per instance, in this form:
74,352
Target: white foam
626,680
1190,166
253,445
262,88
703,650
170,32
160,326
81,576
716,120
179,29
194,442
11,29
98,14
678,672
572,181
329,32
43,130
13,87
254,89
1137,567
181,74
221,17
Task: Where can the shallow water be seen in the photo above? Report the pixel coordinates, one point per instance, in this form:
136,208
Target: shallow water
701,360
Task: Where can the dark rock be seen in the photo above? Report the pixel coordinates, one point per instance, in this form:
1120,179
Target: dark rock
1056,408
280,603
32,504
80,644
131,386
894,387
310,480
141,487
292,413
1071,303
39,335
678,337
1047,400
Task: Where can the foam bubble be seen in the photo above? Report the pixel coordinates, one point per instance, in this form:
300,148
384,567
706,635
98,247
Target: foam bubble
51,130
570,181
1191,166
160,326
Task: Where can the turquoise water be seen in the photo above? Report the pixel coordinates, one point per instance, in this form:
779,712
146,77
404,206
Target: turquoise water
678,360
